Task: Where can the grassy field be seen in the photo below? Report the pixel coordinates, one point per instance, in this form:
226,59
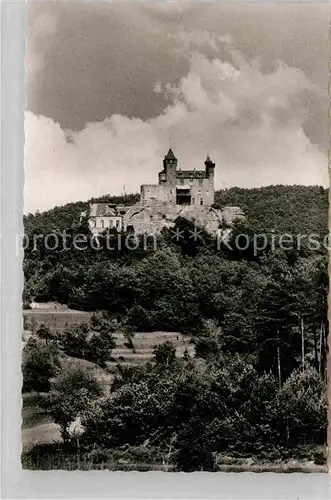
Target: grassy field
144,344
36,428
55,319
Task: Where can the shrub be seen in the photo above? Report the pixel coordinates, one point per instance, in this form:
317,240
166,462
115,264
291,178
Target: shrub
165,354
194,447
99,348
320,457
74,341
205,347
45,333
96,347
140,319
40,364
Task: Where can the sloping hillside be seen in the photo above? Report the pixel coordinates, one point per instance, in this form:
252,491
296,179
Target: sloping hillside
293,209
282,208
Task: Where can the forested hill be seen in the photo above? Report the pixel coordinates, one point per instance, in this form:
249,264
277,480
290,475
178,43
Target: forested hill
294,209
254,383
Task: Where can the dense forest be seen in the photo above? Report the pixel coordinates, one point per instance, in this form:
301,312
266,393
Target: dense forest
256,385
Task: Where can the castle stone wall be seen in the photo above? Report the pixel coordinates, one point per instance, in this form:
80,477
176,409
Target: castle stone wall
159,192
202,190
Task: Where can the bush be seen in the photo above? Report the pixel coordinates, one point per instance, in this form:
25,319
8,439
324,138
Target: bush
320,457
195,448
205,347
165,354
45,333
96,347
140,319
40,365
99,348
74,341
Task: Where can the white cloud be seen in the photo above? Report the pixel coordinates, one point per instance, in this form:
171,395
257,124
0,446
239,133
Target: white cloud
251,121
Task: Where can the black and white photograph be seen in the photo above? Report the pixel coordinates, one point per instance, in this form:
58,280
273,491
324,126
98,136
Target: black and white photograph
175,299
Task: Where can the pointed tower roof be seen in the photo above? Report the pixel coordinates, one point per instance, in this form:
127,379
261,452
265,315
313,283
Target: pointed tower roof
170,155
208,161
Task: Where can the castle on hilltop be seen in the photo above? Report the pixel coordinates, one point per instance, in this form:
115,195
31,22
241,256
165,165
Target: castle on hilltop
185,193
182,187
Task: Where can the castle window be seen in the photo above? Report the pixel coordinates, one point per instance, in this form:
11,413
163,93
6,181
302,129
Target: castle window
93,223
181,181
102,223
193,201
201,201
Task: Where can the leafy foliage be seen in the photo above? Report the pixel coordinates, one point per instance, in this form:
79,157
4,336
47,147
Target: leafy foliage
96,347
284,209
256,385
72,395
165,354
40,365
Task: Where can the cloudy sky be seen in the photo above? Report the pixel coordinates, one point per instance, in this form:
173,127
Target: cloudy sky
111,86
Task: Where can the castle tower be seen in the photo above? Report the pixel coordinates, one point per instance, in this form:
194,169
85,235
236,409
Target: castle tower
170,166
210,168
210,172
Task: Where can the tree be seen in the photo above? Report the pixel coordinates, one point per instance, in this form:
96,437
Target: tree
195,447
190,237
206,347
40,365
99,348
140,318
165,354
96,347
302,408
73,394
33,325
101,321
45,333
138,411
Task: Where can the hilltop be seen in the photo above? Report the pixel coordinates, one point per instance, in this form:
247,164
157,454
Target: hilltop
294,209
